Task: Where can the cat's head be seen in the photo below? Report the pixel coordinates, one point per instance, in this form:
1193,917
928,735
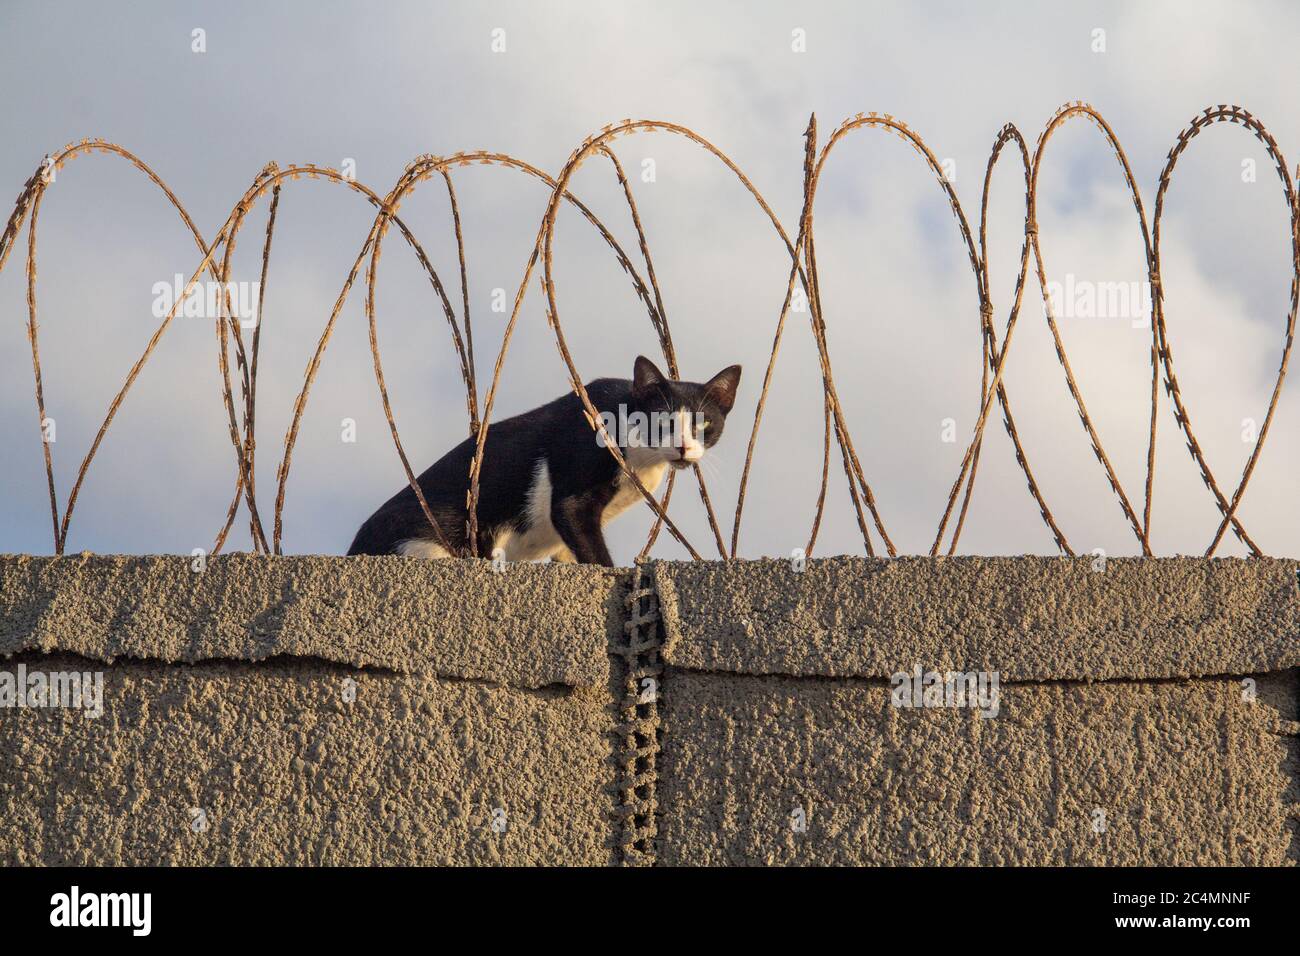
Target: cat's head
684,418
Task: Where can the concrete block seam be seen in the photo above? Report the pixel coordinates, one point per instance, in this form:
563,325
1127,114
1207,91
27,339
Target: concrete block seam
636,653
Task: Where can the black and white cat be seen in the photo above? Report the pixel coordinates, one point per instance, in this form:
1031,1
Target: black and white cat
548,485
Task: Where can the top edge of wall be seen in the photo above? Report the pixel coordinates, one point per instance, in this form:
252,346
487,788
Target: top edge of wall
1028,618
527,625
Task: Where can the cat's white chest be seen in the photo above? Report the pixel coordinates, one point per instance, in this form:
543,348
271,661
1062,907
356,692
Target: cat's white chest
627,494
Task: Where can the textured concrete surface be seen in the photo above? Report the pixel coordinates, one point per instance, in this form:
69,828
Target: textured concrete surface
285,770
530,625
1027,618
224,693
1184,772
379,710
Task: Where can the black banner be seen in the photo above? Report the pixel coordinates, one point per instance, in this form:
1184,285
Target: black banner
335,905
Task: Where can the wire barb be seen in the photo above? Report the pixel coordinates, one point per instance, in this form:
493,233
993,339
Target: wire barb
215,261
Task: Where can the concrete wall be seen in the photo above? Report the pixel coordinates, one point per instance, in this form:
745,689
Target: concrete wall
225,692
385,710
779,700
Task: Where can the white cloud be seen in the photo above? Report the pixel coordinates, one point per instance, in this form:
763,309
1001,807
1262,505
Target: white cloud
899,298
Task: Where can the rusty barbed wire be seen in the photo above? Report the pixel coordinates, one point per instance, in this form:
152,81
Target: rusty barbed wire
216,260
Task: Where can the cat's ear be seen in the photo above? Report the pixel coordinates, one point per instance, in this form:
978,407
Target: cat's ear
723,386
645,373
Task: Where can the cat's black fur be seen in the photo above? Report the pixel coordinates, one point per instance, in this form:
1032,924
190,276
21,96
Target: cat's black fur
583,476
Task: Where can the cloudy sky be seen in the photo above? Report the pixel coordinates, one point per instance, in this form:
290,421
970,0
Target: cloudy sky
379,84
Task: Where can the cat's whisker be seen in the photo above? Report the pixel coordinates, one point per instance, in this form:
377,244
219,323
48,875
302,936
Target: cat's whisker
712,467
